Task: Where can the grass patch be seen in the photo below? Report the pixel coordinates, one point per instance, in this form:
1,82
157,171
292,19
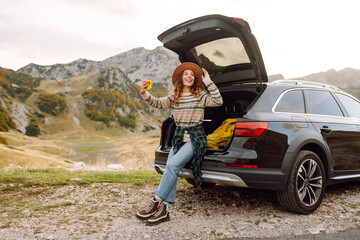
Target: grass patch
21,189
13,148
9,189
61,177
51,206
88,149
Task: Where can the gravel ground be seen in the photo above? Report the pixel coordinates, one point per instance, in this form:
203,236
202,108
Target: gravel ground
107,211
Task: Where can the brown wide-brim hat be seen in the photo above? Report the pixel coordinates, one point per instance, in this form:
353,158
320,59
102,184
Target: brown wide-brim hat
187,66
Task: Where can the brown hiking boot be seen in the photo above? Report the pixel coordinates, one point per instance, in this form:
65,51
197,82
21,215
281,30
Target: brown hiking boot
161,215
149,210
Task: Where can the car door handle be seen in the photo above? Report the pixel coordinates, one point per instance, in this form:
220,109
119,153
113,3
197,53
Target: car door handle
325,129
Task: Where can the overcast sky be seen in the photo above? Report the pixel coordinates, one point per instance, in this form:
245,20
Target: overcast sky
296,37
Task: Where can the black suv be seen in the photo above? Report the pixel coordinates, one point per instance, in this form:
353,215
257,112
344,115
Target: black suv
294,137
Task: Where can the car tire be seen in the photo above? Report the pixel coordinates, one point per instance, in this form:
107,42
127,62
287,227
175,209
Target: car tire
203,184
306,184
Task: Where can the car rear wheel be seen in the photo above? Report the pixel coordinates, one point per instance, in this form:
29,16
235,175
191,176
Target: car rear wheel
306,184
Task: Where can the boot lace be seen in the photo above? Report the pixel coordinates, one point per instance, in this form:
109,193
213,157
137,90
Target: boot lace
161,208
151,205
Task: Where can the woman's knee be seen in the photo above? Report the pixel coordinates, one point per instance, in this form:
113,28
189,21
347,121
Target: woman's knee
174,166
171,166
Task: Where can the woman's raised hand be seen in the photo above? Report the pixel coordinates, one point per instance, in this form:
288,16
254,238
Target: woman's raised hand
206,76
144,84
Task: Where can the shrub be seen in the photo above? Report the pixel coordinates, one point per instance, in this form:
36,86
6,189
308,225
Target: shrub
7,85
25,83
101,82
39,115
51,103
148,128
108,114
32,129
22,93
102,104
128,121
6,122
3,141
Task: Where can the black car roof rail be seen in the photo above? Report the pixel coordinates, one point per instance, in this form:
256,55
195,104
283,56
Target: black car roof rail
299,82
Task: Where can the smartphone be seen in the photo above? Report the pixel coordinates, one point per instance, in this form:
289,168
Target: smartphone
149,86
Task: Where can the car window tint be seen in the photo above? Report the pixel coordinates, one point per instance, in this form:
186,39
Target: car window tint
292,101
351,105
322,103
219,53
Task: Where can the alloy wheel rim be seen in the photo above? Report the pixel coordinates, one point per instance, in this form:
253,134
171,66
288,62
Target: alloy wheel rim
309,182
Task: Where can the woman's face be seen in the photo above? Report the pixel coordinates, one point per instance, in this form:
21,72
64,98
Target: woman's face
188,78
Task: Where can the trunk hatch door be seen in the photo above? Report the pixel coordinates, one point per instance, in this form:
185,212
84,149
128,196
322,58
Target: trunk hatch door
224,46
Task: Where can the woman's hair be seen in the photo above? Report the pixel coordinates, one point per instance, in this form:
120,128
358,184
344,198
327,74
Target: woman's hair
196,88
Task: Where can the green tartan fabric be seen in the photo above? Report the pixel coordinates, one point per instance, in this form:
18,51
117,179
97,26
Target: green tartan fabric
199,143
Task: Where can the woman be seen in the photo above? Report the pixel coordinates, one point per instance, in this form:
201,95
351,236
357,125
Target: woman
187,104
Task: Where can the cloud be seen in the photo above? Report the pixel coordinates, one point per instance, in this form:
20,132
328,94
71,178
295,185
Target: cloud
120,8
295,37
50,32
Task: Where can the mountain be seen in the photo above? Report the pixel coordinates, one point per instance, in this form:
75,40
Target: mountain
157,64
348,79
137,64
115,80
275,77
18,84
345,78
15,89
105,102
117,77
102,97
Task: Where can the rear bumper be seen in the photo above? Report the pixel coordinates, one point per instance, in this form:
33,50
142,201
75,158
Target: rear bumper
215,170
209,176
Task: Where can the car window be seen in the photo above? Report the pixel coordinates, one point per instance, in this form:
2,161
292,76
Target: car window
219,53
292,101
351,105
322,103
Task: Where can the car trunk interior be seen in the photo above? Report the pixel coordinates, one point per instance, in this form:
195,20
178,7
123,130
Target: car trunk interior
235,104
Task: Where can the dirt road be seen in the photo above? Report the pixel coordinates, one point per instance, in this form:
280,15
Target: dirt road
106,211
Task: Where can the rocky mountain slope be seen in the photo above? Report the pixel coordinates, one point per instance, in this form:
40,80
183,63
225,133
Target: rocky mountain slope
111,96
345,78
137,64
117,78
348,79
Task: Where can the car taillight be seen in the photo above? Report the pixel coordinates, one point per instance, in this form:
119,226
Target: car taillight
162,129
242,165
241,19
250,129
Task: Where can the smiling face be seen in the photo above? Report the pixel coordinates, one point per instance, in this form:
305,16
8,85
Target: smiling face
188,78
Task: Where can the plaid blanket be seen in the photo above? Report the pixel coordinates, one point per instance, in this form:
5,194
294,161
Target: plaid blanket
199,143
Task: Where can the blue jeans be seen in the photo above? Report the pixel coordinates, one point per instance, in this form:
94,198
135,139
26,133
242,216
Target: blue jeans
167,187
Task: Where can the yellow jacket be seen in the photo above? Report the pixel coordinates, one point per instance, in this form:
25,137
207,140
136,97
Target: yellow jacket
222,134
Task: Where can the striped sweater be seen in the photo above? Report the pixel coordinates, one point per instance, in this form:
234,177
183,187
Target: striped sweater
190,110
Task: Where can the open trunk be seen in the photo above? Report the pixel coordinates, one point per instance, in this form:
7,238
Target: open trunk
228,50
236,103
224,46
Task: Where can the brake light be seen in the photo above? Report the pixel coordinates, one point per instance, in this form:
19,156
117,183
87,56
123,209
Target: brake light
250,129
242,165
162,129
240,19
